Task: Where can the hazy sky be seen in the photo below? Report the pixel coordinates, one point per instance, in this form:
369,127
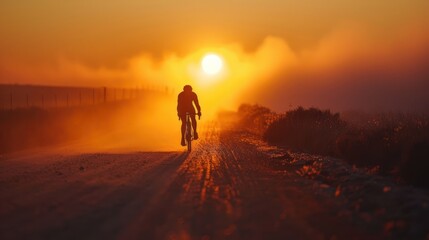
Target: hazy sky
107,32
373,53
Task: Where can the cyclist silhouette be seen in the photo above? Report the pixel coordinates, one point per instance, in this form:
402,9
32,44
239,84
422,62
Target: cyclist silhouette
184,105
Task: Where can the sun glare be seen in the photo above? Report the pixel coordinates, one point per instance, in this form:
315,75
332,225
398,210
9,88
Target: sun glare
211,64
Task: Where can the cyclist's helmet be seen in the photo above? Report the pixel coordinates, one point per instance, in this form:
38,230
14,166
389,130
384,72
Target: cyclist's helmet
187,88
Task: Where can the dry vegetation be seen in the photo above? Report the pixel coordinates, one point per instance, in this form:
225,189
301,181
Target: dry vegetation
395,144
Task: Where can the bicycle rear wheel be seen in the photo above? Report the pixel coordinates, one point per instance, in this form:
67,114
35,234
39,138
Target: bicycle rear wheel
189,145
189,136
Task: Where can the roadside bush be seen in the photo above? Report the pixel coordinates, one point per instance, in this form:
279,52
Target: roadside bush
397,144
310,130
415,166
369,147
388,141
254,118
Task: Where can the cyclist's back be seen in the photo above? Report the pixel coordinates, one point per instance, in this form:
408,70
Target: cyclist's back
185,104
185,100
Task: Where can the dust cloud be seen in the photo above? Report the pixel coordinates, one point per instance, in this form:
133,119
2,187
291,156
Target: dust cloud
148,123
350,68
241,70
354,69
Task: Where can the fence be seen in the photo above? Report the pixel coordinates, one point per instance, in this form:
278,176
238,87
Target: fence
17,96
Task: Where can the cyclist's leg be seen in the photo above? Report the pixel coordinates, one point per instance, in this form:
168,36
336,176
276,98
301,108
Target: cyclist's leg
194,126
183,127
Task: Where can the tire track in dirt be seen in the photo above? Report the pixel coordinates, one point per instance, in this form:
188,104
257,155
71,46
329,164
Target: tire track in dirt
224,189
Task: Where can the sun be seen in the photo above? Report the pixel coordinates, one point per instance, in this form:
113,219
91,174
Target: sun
211,64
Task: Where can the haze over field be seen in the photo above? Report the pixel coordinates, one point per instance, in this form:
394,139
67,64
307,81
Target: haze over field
340,54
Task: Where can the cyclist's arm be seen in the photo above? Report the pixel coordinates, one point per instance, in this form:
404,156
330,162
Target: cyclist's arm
197,104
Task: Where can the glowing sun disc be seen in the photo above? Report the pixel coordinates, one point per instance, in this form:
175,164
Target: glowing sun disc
211,64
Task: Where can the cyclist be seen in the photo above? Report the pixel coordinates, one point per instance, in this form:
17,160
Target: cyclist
184,105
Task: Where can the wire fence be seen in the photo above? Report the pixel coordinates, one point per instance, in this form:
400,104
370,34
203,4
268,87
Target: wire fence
17,96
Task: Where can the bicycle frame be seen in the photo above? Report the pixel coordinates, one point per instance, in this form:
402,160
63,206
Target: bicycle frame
189,133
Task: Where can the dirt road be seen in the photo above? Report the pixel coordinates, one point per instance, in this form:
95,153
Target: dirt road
224,189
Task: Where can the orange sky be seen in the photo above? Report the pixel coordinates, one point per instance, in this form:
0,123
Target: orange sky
107,32
267,44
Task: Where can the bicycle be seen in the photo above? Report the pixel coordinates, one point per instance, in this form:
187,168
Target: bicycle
189,134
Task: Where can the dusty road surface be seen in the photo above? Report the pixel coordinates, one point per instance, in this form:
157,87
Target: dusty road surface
225,189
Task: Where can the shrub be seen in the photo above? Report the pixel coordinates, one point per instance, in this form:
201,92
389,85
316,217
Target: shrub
385,140
397,144
415,166
369,147
311,130
254,118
